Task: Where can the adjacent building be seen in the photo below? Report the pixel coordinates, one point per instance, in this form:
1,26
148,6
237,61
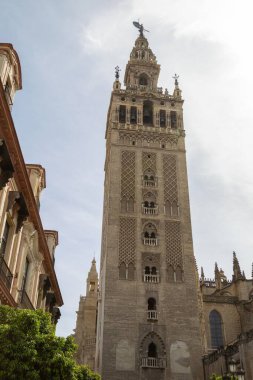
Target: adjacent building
227,307
86,323
27,275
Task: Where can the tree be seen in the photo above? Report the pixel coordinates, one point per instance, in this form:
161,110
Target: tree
30,350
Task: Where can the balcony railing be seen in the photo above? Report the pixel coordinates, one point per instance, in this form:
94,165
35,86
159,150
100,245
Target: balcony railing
150,210
149,182
150,241
153,363
154,278
152,315
24,300
5,273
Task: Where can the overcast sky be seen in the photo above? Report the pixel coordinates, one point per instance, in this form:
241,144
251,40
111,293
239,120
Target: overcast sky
68,50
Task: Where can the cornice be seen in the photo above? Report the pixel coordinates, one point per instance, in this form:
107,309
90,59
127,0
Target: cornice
8,48
8,133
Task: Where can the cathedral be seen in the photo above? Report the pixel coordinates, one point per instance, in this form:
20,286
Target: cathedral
150,317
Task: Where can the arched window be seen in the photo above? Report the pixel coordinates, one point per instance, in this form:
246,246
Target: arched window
152,351
130,273
148,112
174,209
133,115
151,304
153,270
143,80
168,208
171,274
153,235
179,275
123,204
122,114
162,115
173,119
122,271
130,204
216,329
147,270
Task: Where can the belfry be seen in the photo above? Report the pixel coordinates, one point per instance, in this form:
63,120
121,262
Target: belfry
148,306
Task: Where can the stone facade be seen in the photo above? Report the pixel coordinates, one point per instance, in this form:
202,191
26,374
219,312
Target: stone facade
148,319
27,275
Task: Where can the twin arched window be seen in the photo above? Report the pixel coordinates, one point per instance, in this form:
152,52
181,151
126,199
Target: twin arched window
216,329
126,272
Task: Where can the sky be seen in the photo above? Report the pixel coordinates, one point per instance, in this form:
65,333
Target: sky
68,51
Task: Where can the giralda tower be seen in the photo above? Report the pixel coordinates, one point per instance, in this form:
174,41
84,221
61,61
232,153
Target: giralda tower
148,312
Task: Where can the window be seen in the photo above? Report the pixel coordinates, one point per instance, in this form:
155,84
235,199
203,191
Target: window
162,118
143,80
173,119
151,304
5,238
174,209
216,329
171,277
122,114
126,272
133,115
147,112
122,271
179,274
152,351
130,272
25,275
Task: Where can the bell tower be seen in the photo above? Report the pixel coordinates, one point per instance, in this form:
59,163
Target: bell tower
148,313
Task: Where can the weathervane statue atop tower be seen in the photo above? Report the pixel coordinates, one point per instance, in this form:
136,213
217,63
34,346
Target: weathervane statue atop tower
140,27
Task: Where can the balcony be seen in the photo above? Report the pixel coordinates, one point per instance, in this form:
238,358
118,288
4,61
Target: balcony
150,241
152,315
5,273
150,210
24,301
153,362
152,278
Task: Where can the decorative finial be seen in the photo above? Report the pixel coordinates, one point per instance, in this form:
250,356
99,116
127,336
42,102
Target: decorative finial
117,70
140,27
202,274
176,79
236,268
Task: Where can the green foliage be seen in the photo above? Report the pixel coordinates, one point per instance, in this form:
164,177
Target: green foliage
31,351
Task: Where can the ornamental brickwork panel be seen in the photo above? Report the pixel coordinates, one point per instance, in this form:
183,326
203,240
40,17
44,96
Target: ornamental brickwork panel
148,161
127,240
170,178
128,175
173,242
